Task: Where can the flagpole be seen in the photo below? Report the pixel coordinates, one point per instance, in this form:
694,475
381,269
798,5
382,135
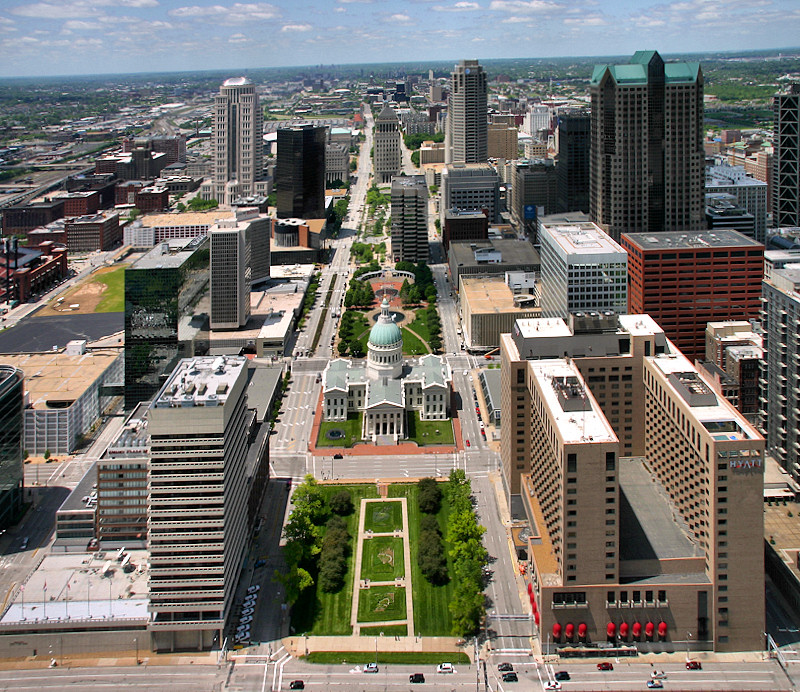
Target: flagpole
44,601
66,603
22,593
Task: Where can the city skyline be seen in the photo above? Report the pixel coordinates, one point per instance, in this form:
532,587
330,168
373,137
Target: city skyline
48,39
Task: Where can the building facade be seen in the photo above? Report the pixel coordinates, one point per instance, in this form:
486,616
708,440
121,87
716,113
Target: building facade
387,146
750,193
197,503
237,131
471,187
466,135
573,135
647,156
685,280
786,158
583,270
230,277
11,476
300,172
409,208
464,225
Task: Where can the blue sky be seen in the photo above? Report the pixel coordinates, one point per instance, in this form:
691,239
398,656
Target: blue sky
48,37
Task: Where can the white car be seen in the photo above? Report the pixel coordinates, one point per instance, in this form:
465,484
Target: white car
445,668
248,611
658,675
553,685
246,619
252,598
253,589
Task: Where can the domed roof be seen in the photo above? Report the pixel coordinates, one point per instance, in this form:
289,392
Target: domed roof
385,332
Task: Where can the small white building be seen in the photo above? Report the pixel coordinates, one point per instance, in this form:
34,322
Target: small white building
385,388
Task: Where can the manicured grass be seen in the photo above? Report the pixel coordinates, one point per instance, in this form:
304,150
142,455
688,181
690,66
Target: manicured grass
329,613
383,517
381,603
382,559
351,428
412,346
113,299
385,630
420,324
431,603
429,432
411,657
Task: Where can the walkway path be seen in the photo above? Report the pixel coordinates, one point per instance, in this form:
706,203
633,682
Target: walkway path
360,584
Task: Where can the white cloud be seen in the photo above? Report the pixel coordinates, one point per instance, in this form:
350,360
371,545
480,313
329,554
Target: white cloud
238,38
78,25
340,9
349,2
238,13
75,8
595,20
457,7
524,6
516,20
296,27
399,19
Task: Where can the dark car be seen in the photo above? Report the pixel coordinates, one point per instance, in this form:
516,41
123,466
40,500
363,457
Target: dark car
338,456
296,685
505,667
694,665
416,677
605,665
510,677
562,675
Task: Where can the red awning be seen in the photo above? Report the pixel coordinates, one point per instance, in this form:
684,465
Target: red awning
536,618
637,629
662,629
611,629
582,629
530,588
623,629
649,628
569,630
556,630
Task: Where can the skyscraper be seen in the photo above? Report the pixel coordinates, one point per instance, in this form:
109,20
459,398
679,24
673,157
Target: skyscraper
11,428
230,275
388,161
300,172
647,159
467,128
574,142
410,218
197,503
237,138
786,158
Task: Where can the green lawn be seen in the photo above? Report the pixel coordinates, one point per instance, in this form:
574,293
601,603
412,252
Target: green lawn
408,657
383,517
429,432
351,428
431,612
113,299
420,325
381,603
385,630
329,613
412,346
382,559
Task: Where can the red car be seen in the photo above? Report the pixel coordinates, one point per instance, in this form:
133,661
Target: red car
468,444
694,665
605,665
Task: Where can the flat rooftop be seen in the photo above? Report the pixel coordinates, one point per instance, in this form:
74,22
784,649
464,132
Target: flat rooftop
271,316
691,240
492,297
583,238
189,218
651,526
572,406
55,380
516,252
200,381
169,254
71,587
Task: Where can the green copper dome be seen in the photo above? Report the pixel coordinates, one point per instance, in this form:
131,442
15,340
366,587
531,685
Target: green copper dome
385,332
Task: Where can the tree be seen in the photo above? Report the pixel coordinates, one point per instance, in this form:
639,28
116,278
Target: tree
430,496
341,503
435,342
468,609
295,581
342,348
415,157
356,349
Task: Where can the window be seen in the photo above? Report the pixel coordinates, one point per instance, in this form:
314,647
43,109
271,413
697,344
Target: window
572,463
610,461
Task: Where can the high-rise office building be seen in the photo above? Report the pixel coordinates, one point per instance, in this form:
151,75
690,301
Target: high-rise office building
573,135
410,219
472,186
534,188
641,486
466,135
388,161
230,276
237,132
300,172
647,157
780,384
11,429
583,270
750,193
786,158
686,280
197,509
160,290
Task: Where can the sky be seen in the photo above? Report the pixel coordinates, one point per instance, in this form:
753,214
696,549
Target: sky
62,37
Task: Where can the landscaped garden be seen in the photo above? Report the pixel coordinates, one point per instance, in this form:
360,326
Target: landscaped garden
383,517
382,559
380,603
429,432
340,433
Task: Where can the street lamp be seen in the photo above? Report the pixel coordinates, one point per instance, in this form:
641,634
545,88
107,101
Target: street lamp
688,642
136,642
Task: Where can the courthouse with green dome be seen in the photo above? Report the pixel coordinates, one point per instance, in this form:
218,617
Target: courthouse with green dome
384,388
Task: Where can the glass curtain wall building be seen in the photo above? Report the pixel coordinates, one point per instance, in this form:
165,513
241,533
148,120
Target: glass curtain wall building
11,478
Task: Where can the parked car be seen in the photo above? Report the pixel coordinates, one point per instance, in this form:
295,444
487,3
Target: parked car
468,444
512,677
605,665
445,668
371,668
246,619
562,675
248,611
296,685
338,456
416,677
255,588
505,667
694,665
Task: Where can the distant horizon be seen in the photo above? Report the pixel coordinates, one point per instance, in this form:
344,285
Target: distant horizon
243,71
52,38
